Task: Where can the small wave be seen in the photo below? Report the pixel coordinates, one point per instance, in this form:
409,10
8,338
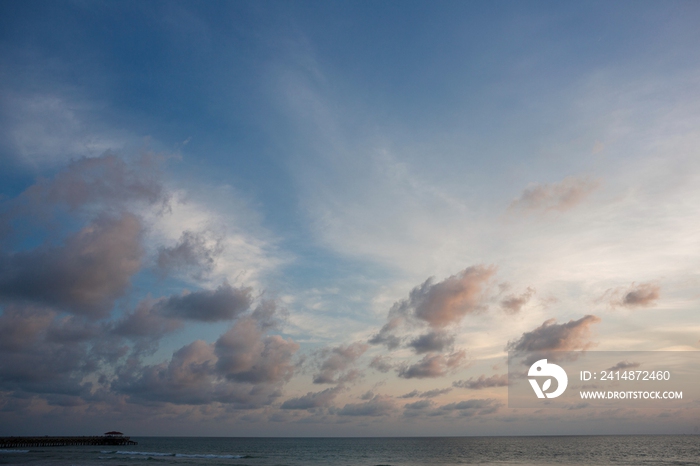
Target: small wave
2,450
183,455
144,453
178,455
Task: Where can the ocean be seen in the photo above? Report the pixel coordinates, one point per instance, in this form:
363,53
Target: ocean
413,451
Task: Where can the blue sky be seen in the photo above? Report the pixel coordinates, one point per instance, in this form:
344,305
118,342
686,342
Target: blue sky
278,218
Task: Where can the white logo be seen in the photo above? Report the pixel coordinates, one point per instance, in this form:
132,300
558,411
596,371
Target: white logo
542,368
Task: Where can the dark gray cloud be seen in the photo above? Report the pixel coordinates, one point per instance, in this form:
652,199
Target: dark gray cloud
623,365
313,400
435,341
551,336
642,295
223,303
386,333
377,406
84,275
483,382
421,404
433,365
194,252
336,360
561,196
368,395
427,394
512,304
635,296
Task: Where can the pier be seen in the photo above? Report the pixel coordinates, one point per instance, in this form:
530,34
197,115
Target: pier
25,442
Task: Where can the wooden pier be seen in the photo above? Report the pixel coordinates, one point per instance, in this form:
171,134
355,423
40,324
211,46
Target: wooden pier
28,442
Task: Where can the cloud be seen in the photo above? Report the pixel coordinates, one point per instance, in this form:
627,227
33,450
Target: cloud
447,302
41,353
20,327
377,406
634,296
623,365
145,325
561,196
512,304
483,382
313,399
246,355
368,395
84,275
550,336
188,378
196,252
385,335
421,404
642,295
432,342
381,363
438,305
570,336
476,407
244,368
433,365
427,394
223,303
336,360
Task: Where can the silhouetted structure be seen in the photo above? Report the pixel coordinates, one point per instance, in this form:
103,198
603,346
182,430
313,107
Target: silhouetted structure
110,438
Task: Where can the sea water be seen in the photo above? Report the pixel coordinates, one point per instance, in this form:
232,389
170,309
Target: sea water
565,450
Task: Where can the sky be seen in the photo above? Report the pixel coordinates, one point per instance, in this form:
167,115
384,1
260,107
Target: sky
336,218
